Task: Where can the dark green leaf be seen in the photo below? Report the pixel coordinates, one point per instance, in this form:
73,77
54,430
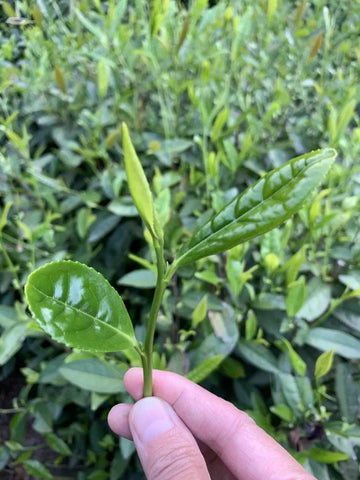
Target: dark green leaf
199,373
259,356
76,305
37,469
326,339
262,207
57,444
349,314
347,393
94,375
318,300
11,340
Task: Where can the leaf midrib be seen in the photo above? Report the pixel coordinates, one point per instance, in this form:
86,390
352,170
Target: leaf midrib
246,213
102,322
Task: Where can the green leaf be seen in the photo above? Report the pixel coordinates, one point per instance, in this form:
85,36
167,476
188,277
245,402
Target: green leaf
8,9
220,121
283,412
140,278
317,301
259,356
37,469
262,207
199,373
93,375
326,456
60,79
11,340
76,305
295,296
57,444
297,392
342,343
324,363
250,325
103,74
348,313
347,392
199,313
138,184
4,214
296,361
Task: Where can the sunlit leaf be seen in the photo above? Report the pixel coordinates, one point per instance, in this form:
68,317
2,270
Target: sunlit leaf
76,305
138,184
262,207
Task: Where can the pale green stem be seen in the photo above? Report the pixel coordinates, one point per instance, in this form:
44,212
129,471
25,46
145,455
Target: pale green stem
161,284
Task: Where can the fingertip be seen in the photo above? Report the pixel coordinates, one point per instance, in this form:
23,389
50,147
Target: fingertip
133,382
118,420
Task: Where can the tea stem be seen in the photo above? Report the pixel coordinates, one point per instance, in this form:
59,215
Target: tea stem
161,284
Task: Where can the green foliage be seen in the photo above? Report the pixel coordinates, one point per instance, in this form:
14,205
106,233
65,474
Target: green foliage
214,98
77,306
262,207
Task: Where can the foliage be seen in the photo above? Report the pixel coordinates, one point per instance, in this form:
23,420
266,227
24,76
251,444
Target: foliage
215,97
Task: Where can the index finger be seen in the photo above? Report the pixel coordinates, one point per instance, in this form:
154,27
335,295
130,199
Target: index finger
247,450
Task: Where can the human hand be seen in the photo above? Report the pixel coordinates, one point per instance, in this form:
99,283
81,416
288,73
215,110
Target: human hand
185,432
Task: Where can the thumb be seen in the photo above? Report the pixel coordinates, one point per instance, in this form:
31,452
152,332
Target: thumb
166,448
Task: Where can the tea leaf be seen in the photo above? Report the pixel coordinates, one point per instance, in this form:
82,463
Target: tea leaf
37,16
60,79
138,184
94,375
326,456
37,469
76,305
141,278
295,296
342,343
271,9
57,444
262,207
103,73
316,46
324,363
199,313
317,301
200,372
8,9
296,361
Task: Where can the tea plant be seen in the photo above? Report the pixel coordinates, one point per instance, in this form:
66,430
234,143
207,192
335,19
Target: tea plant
214,97
76,305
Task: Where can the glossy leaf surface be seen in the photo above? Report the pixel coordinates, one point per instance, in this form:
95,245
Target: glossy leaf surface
261,207
75,305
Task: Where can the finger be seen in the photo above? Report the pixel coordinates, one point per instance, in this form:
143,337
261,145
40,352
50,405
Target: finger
118,420
165,446
216,467
243,447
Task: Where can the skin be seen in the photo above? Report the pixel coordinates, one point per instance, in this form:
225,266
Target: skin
185,432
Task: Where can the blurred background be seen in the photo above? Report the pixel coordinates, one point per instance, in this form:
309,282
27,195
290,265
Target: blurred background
215,94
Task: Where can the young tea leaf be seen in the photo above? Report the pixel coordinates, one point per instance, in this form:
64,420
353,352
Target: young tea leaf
261,207
75,305
324,363
138,184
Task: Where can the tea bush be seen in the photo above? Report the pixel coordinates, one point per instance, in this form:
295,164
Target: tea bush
214,98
